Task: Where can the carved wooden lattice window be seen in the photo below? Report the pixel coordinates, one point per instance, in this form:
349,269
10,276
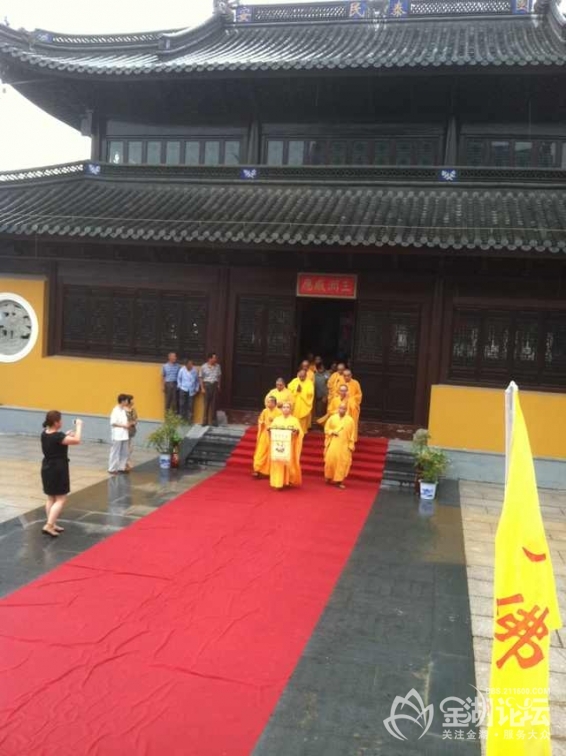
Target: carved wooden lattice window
133,322
369,341
249,330
403,339
279,330
494,347
465,339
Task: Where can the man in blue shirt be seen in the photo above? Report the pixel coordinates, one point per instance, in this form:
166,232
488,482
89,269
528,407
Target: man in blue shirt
188,385
169,373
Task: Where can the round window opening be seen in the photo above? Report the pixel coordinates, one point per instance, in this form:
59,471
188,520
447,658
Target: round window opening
18,327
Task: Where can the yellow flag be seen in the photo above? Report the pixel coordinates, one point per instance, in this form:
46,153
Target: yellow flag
525,612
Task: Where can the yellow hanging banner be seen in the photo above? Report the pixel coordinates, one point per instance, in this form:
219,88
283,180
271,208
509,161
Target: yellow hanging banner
525,609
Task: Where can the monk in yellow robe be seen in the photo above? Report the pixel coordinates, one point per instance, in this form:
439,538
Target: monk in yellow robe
351,405
263,443
355,392
336,380
287,473
281,393
309,370
338,447
303,397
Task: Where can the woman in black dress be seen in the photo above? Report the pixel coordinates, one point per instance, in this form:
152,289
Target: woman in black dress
55,467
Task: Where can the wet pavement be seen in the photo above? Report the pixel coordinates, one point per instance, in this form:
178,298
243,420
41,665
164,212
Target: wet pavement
398,620
91,514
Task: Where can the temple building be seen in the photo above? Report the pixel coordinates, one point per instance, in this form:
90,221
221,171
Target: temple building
377,181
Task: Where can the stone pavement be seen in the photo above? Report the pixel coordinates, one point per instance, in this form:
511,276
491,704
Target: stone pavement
481,508
20,462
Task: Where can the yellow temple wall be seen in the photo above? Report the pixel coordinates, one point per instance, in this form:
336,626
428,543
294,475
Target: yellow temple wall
464,417
72,384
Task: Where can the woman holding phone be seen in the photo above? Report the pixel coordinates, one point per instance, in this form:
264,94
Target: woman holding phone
55,467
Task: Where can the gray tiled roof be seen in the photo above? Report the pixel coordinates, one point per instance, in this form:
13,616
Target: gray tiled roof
380,41
173,206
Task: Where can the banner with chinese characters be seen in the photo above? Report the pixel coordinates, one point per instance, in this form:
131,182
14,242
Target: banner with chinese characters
281,444
526,609
329,285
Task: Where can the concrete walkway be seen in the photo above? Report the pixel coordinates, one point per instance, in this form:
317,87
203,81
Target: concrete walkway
481,508
20,479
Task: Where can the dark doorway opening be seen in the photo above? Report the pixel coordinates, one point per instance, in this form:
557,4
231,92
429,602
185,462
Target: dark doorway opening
326,328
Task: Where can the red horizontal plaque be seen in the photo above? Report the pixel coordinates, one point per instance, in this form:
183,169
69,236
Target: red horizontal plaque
330,285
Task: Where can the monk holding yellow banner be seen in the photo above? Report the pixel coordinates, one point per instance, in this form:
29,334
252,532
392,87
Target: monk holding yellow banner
286,445
526,608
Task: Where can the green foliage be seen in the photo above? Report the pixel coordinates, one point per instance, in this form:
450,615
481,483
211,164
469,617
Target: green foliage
431,464
421,437
169,435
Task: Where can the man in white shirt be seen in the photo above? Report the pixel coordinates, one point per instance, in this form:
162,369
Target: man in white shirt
120,428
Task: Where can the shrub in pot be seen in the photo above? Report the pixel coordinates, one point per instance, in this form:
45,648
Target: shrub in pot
421,438
166,439
431,465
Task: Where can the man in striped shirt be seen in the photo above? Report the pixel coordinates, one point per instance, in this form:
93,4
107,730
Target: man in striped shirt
170,373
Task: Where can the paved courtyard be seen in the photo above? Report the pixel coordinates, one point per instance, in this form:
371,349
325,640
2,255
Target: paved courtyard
20,462
413,608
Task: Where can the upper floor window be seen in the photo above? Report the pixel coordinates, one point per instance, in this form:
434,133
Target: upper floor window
174,151
517,153
324,151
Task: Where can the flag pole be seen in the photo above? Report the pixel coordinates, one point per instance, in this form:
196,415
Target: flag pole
510,394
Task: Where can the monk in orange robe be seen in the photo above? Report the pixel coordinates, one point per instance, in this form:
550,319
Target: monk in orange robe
263,443
355,393
308,368
281,393
336,380
303,396
345,399
287,473
338,446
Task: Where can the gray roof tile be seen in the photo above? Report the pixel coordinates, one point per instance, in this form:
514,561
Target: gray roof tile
426,38
371,213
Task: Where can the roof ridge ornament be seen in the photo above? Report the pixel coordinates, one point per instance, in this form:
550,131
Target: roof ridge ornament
225,8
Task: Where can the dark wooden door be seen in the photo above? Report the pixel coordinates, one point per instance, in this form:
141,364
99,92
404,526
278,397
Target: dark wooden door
386,353
263,347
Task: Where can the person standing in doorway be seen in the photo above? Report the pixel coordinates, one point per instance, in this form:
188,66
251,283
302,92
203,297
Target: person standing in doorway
120,428
210,376
132,416
321,377
55,467
169,374
188,385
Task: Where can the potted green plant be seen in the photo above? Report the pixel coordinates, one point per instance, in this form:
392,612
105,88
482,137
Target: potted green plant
421,437
431,465
166,439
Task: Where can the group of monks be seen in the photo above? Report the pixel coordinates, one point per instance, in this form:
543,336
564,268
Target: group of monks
293,407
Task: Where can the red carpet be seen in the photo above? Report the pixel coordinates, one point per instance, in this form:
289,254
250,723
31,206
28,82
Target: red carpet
176,636
368,463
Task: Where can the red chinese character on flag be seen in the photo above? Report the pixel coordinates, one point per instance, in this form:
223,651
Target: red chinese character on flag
527,627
